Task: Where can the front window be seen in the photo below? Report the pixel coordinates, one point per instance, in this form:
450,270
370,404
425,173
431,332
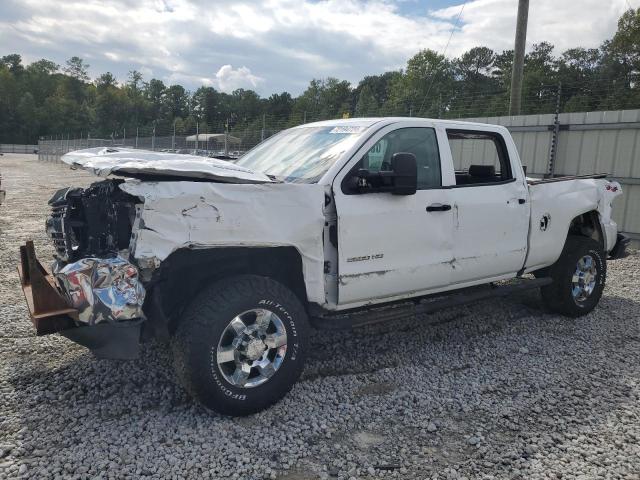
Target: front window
302,155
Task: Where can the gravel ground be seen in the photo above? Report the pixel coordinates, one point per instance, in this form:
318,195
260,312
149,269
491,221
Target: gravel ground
496,390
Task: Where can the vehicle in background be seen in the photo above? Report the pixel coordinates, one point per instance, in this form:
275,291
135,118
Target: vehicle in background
337,223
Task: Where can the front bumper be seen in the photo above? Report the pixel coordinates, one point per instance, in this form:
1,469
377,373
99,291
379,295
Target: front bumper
619,250
51,312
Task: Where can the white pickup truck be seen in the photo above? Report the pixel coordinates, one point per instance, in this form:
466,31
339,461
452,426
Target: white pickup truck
335,224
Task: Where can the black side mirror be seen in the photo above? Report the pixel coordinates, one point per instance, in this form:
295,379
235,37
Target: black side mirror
405,173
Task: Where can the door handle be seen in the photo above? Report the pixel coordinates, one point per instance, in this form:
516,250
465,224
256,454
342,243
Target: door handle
521,201
438,207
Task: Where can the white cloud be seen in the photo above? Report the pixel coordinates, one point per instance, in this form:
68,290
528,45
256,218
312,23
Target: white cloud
565,24
229,79
276,45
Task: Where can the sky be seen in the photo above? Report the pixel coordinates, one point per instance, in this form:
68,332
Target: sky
279,45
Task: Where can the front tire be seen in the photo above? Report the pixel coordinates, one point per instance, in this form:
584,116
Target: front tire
579,277
241,344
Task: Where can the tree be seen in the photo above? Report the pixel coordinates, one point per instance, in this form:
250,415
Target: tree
176,101
540,84
207,105
366,106
105,81
475,64
77,68
13,62
280,105
379,85
43,67
624,47
28,117
154,92
135,81
40,99
425,86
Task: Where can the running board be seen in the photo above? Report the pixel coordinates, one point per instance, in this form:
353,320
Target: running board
429,304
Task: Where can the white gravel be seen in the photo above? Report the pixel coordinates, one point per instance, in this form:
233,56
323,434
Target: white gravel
495,390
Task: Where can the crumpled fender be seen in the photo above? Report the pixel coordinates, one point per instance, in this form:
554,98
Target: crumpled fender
610,228
186,214
554,205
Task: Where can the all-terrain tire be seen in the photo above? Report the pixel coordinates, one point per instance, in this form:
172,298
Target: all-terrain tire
205,321
560,296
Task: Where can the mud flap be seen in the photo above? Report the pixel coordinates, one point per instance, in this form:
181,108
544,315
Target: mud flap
619,250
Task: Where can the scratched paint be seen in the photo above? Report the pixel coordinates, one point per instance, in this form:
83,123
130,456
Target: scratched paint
187,214
566,200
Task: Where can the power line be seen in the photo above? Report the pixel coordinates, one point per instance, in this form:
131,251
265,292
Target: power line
433,75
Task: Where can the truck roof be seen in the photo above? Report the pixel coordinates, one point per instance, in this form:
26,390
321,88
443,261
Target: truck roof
381,121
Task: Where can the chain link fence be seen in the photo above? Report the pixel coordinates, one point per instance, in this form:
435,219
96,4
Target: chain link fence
209,145
15,148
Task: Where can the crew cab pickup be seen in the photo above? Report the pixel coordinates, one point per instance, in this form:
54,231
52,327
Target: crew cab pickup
334,224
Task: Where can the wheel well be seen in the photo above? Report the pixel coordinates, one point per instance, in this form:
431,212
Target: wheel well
186,272
588,225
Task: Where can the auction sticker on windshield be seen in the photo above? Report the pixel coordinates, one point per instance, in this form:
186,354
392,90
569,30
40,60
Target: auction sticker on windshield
348,129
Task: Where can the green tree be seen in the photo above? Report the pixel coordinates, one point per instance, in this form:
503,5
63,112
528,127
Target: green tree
77,68
366,106
28,117
13,62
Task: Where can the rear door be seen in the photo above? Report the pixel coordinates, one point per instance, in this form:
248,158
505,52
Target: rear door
390,245
490,206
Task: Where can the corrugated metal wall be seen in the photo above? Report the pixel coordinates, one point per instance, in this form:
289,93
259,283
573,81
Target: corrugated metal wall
588,142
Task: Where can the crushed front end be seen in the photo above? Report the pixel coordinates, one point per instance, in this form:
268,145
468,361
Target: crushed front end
92,294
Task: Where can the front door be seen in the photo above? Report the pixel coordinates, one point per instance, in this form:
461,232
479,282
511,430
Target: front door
390,245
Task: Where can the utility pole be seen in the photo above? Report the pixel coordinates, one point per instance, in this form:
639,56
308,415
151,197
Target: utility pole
173,140
518,58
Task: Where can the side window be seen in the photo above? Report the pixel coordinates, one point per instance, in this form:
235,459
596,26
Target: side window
419,141
479,157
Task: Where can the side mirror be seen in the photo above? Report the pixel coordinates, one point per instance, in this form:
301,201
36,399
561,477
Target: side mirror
405,173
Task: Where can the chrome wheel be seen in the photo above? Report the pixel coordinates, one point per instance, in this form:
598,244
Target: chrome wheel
252,348
584,279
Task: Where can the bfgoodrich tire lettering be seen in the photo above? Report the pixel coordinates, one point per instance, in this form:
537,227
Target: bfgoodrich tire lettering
566,295
206,320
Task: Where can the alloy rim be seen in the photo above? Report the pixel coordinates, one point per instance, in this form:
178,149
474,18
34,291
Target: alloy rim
584,278
252,348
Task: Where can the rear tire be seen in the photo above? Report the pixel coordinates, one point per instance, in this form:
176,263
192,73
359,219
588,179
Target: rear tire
240,345
579,277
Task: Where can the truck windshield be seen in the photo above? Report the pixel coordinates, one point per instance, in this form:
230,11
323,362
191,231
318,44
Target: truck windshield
301,155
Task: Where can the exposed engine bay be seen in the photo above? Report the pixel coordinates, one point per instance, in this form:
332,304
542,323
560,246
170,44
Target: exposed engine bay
91,229
91,222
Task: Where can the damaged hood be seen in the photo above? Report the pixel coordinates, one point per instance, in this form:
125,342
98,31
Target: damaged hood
127,162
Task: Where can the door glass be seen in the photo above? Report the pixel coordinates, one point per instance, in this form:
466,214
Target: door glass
375,156
478,157
419,141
